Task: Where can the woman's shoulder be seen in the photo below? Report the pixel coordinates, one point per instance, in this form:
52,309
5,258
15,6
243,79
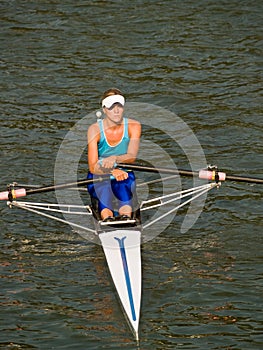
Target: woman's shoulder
94,131
94,126
134,128
133,122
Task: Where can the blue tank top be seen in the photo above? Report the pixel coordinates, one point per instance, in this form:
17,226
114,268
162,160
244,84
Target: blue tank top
105,150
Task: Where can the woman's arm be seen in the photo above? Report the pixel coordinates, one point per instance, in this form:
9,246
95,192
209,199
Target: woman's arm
93,137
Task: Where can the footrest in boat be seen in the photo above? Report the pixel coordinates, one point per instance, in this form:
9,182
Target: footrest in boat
117,222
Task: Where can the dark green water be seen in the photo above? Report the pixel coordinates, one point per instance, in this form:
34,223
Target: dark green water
201,60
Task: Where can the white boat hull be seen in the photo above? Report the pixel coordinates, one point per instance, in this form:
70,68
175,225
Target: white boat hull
122,249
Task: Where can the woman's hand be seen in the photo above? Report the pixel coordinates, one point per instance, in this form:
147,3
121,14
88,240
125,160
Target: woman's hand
119,174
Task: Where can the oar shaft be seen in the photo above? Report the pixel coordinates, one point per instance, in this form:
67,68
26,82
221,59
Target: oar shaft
159,169
244,179
202,174
60,186
22,192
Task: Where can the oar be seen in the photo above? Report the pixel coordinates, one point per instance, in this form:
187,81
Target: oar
13,193
206,174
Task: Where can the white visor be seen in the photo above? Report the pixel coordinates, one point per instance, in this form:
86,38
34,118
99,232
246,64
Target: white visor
110,100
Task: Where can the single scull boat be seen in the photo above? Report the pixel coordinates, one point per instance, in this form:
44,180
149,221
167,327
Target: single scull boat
121,240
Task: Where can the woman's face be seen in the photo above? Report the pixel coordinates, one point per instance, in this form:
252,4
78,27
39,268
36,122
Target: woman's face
114,113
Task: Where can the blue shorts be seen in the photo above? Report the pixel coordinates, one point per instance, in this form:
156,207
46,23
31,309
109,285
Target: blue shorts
109,191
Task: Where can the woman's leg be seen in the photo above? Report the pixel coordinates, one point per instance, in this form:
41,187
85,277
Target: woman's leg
123,191
103,193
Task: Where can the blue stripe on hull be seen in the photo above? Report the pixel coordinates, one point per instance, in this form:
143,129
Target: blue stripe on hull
127,275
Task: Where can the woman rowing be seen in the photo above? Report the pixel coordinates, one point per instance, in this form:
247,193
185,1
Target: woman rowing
113,140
